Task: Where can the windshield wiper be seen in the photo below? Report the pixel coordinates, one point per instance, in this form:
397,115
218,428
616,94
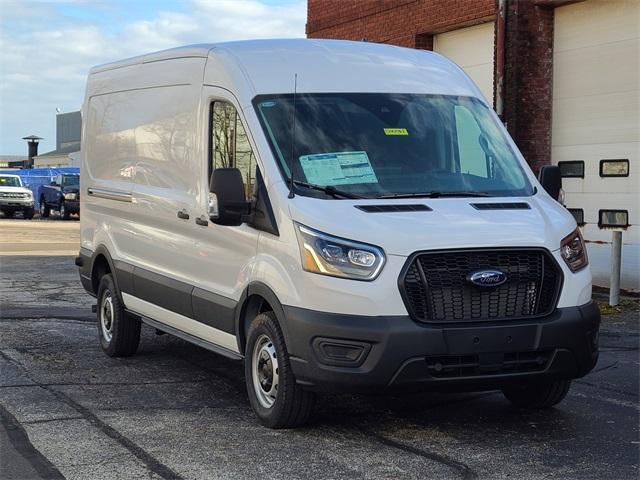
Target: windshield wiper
329,190
436,194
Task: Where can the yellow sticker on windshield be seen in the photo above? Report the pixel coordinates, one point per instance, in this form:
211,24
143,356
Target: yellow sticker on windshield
396,131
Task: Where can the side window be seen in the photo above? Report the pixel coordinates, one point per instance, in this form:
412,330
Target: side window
230,144
471,155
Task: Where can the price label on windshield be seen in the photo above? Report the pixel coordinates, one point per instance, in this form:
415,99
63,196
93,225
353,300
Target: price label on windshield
339,168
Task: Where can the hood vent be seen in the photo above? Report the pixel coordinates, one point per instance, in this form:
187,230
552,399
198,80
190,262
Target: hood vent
393,208
501,206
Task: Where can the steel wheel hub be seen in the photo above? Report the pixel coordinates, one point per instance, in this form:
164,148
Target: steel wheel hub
264,370
106,316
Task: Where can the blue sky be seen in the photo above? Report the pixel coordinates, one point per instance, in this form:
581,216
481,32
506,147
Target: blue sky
47,47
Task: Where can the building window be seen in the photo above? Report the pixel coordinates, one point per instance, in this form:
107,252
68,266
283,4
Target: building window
614,168
578,214
572,169
613,219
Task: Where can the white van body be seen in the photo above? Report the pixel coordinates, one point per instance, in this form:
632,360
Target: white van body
147,220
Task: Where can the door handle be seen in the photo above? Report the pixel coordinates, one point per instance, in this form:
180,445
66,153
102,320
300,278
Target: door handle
183,214
202,220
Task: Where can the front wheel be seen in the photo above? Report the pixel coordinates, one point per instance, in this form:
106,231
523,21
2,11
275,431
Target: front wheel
44,210
538,395
64,213
28,214
273,393
119,332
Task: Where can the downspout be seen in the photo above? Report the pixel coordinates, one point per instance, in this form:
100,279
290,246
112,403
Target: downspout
501,32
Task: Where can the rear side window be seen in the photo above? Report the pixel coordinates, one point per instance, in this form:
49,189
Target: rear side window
230,145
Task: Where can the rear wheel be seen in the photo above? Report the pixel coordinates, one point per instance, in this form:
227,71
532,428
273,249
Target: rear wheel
64,213
119,332
538,395
273,393
44,210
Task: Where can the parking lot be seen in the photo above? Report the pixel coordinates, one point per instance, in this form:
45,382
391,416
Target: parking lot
177,411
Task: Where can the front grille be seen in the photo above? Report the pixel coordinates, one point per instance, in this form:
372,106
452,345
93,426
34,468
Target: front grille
456,366
13,195
435,287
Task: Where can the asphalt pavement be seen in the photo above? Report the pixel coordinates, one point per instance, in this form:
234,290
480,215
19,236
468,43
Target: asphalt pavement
177,411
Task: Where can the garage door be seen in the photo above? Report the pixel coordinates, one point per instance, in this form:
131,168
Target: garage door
596,115
472,49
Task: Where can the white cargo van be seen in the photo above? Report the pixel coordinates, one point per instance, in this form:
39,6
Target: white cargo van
341,216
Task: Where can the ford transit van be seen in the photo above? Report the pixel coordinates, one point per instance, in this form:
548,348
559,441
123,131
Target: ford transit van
340,216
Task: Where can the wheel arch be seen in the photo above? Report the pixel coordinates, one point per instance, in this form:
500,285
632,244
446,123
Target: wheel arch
101,263
256,298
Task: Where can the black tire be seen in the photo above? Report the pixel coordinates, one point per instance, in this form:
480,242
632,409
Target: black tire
113,321
44,210
8,213
64,213
28,214
291,404
538,395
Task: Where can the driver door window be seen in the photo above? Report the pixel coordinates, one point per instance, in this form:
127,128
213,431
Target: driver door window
230,144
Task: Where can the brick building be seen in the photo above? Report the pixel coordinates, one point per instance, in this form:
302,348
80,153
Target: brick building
563,76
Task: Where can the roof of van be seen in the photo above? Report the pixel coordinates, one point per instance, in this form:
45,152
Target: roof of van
320,65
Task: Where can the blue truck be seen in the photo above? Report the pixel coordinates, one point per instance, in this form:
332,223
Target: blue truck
62,195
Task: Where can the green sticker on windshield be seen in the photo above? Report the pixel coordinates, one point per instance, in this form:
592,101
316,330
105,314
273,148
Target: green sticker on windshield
396,131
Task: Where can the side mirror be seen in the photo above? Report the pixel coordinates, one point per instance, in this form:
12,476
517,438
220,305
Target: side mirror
551,180
53,183
227,201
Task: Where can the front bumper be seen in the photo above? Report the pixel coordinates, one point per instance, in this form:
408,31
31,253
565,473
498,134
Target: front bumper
16,203
339,353
72,206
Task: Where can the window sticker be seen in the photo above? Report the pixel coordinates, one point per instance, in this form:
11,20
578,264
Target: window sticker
396,131
340,168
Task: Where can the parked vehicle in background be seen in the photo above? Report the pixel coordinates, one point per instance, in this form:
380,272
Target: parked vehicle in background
62,195
339,215
15,197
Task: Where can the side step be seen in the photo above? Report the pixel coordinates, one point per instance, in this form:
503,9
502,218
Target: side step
188,337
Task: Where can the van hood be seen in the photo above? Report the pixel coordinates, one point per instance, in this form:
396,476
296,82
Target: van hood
451,223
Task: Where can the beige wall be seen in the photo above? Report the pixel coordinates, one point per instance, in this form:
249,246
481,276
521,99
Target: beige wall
472,49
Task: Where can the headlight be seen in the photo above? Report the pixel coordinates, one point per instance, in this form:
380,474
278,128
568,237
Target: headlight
573,251
338,257
70,196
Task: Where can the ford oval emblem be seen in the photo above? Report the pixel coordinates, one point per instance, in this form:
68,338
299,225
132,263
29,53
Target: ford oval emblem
487,278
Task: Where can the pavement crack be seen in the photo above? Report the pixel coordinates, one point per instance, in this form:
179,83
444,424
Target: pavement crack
49,420
466,473
602,387
607,367
19,439
152,463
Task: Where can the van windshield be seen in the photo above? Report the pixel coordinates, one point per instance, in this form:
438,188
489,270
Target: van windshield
374,145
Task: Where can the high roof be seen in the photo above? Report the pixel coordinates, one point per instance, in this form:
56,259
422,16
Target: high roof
321,65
